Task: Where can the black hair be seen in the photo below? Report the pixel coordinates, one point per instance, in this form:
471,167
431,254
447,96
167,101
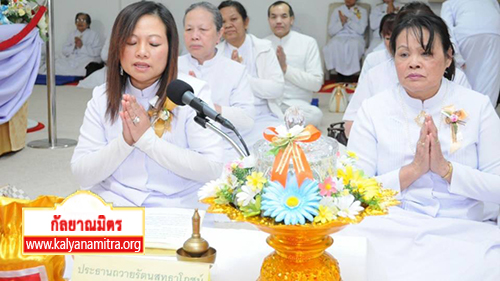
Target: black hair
88,19
387,24
435,26
290,10
123,28
237,5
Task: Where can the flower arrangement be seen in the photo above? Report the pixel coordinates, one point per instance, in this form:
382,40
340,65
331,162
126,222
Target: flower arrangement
22,11
345,196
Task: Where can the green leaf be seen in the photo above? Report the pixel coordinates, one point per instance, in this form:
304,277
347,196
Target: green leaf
252,209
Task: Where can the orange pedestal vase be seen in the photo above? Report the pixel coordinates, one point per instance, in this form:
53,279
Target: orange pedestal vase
300,249
300,253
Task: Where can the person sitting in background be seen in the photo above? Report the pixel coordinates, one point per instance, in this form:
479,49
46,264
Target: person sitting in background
379,56
376,16
264,71
299,58
131,157
82,47
344,50
98,77
475,28
434,143
384,76
228,80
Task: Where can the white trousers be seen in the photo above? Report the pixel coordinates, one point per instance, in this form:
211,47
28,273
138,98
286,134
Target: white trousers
482,63
343,54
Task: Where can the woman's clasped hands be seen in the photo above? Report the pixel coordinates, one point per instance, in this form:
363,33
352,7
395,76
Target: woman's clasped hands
428,155
134,118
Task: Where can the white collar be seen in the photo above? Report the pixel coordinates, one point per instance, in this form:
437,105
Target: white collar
147,93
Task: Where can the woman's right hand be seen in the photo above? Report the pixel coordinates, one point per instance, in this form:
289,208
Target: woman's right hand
127,136
420,164
421,161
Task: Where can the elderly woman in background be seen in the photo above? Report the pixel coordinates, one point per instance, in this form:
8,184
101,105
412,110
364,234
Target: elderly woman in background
264,72
82,47
436,143
228,79
132,157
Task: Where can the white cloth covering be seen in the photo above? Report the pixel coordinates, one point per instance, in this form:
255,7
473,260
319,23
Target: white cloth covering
168,169
376,14
267,84
436,221
478,41
343,51
72,61
380,78
304,74
228,82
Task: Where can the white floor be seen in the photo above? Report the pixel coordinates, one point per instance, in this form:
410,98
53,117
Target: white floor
46,171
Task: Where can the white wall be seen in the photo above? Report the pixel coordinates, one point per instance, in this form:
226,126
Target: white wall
310,15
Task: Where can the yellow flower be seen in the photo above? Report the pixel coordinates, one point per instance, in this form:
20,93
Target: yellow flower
256,181
348,175
325,214
352,154
21,12
368,188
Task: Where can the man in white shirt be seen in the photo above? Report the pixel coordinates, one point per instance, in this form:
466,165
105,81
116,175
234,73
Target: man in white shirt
299,59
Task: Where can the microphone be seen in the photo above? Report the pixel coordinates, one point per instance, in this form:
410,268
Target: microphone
181,93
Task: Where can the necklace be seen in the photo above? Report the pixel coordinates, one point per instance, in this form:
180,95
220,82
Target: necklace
420,117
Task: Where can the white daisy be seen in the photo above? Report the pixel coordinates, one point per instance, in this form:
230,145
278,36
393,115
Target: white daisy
283,132
348,207
245,196
210,189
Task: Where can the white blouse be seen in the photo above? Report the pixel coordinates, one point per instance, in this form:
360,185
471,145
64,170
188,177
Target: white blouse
385,136
175,165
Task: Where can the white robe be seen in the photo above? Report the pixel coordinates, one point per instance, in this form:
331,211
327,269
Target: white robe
376,15
228,82
477,40
304,74
373,59
436,233
166,171
266,80
379,78
343,51
72,61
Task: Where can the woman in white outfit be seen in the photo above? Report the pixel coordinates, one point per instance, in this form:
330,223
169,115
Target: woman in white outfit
433,143
265,75
124,155
82,47
475,27
228,80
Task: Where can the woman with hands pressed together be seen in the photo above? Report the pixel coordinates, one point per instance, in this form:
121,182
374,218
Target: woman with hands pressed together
264,71
136,148
436,143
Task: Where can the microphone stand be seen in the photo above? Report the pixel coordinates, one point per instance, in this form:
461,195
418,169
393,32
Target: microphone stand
202,120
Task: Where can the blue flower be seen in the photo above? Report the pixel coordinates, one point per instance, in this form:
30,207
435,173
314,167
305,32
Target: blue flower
292,204
3,18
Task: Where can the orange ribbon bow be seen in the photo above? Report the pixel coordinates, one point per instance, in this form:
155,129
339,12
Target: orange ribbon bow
162,117
288,148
